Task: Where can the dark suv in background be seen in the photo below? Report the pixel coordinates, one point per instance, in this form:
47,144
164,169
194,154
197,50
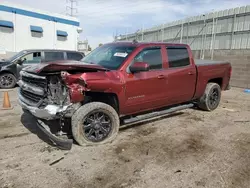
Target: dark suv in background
10,68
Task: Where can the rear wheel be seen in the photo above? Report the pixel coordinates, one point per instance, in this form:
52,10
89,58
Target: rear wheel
95,123
211,97
7,81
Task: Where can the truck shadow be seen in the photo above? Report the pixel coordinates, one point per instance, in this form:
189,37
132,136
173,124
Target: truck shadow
34,126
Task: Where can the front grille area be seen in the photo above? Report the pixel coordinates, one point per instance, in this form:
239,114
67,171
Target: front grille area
31,96
35,81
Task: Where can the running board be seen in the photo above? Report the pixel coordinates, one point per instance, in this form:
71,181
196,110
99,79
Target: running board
157,113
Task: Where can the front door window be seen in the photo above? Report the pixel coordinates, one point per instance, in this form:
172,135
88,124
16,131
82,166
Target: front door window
32,58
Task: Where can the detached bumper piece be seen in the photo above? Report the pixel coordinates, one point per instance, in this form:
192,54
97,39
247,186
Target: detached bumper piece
44,133
64,144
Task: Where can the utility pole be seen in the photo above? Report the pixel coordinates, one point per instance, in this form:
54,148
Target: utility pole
71,7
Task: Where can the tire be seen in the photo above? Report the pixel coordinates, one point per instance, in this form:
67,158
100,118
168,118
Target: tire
83,114
11,81
206,102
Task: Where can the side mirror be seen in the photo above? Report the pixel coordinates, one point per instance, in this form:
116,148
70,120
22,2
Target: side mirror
19,62
139,67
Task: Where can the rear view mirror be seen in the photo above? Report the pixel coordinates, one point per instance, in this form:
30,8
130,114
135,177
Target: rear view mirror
139,67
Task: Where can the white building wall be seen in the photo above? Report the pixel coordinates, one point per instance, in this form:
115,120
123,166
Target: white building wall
6,34
21,38
71,41
24,38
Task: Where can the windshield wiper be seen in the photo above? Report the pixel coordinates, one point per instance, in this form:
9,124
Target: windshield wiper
88,62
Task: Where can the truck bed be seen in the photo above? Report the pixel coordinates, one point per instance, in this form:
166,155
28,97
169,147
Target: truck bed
200,62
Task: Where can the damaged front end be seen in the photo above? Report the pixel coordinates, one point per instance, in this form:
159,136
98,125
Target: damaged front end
49,97
46,97
54,92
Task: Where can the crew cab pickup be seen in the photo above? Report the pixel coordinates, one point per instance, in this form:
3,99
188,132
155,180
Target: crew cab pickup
121,83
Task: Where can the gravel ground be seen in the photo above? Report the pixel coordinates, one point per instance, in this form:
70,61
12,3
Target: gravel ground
187,149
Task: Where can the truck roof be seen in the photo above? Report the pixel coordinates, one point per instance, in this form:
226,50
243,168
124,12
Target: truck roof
47,49
135,43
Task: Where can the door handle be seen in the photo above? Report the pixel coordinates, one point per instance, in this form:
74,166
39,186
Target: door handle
190,73
161,77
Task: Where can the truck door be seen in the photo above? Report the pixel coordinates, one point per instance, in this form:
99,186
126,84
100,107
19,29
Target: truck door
181,75
144,90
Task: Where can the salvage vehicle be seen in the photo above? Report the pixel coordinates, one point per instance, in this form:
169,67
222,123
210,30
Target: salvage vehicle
120,83
10,68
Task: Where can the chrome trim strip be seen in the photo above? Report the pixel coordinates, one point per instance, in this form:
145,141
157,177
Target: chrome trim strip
26,74
30,88
25,100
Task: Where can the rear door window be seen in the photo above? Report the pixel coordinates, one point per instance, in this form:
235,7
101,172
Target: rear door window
53,56
74,56
177,56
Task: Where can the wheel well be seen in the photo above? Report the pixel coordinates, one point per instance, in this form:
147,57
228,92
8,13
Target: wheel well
218,81
108,98
3,72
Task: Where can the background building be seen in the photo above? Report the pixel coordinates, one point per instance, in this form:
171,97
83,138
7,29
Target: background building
83,46
26,28
221,35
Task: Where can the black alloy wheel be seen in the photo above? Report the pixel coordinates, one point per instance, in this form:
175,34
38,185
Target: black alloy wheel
97,126
210,100
214,97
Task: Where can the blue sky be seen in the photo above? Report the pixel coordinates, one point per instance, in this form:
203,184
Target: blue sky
101,19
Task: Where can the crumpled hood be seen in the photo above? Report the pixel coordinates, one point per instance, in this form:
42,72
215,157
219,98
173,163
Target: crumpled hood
63,66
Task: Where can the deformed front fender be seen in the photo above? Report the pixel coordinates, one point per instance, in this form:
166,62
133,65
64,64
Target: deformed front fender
76,86
76,92
101,81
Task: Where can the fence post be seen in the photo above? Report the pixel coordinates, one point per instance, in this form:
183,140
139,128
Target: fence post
212,53
181,32
232,35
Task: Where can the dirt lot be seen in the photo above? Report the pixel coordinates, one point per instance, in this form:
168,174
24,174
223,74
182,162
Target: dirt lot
187,149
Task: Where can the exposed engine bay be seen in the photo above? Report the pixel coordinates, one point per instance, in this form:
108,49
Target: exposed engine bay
57,92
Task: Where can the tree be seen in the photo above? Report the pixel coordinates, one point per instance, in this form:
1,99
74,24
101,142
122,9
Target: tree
100,44
89,48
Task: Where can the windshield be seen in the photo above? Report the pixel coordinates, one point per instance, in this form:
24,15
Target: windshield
109,56
17,55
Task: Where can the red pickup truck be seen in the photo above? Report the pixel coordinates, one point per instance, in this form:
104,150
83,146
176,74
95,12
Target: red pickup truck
120,83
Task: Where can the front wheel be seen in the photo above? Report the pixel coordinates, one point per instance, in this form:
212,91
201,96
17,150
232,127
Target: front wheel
211,97
7,81
95,123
